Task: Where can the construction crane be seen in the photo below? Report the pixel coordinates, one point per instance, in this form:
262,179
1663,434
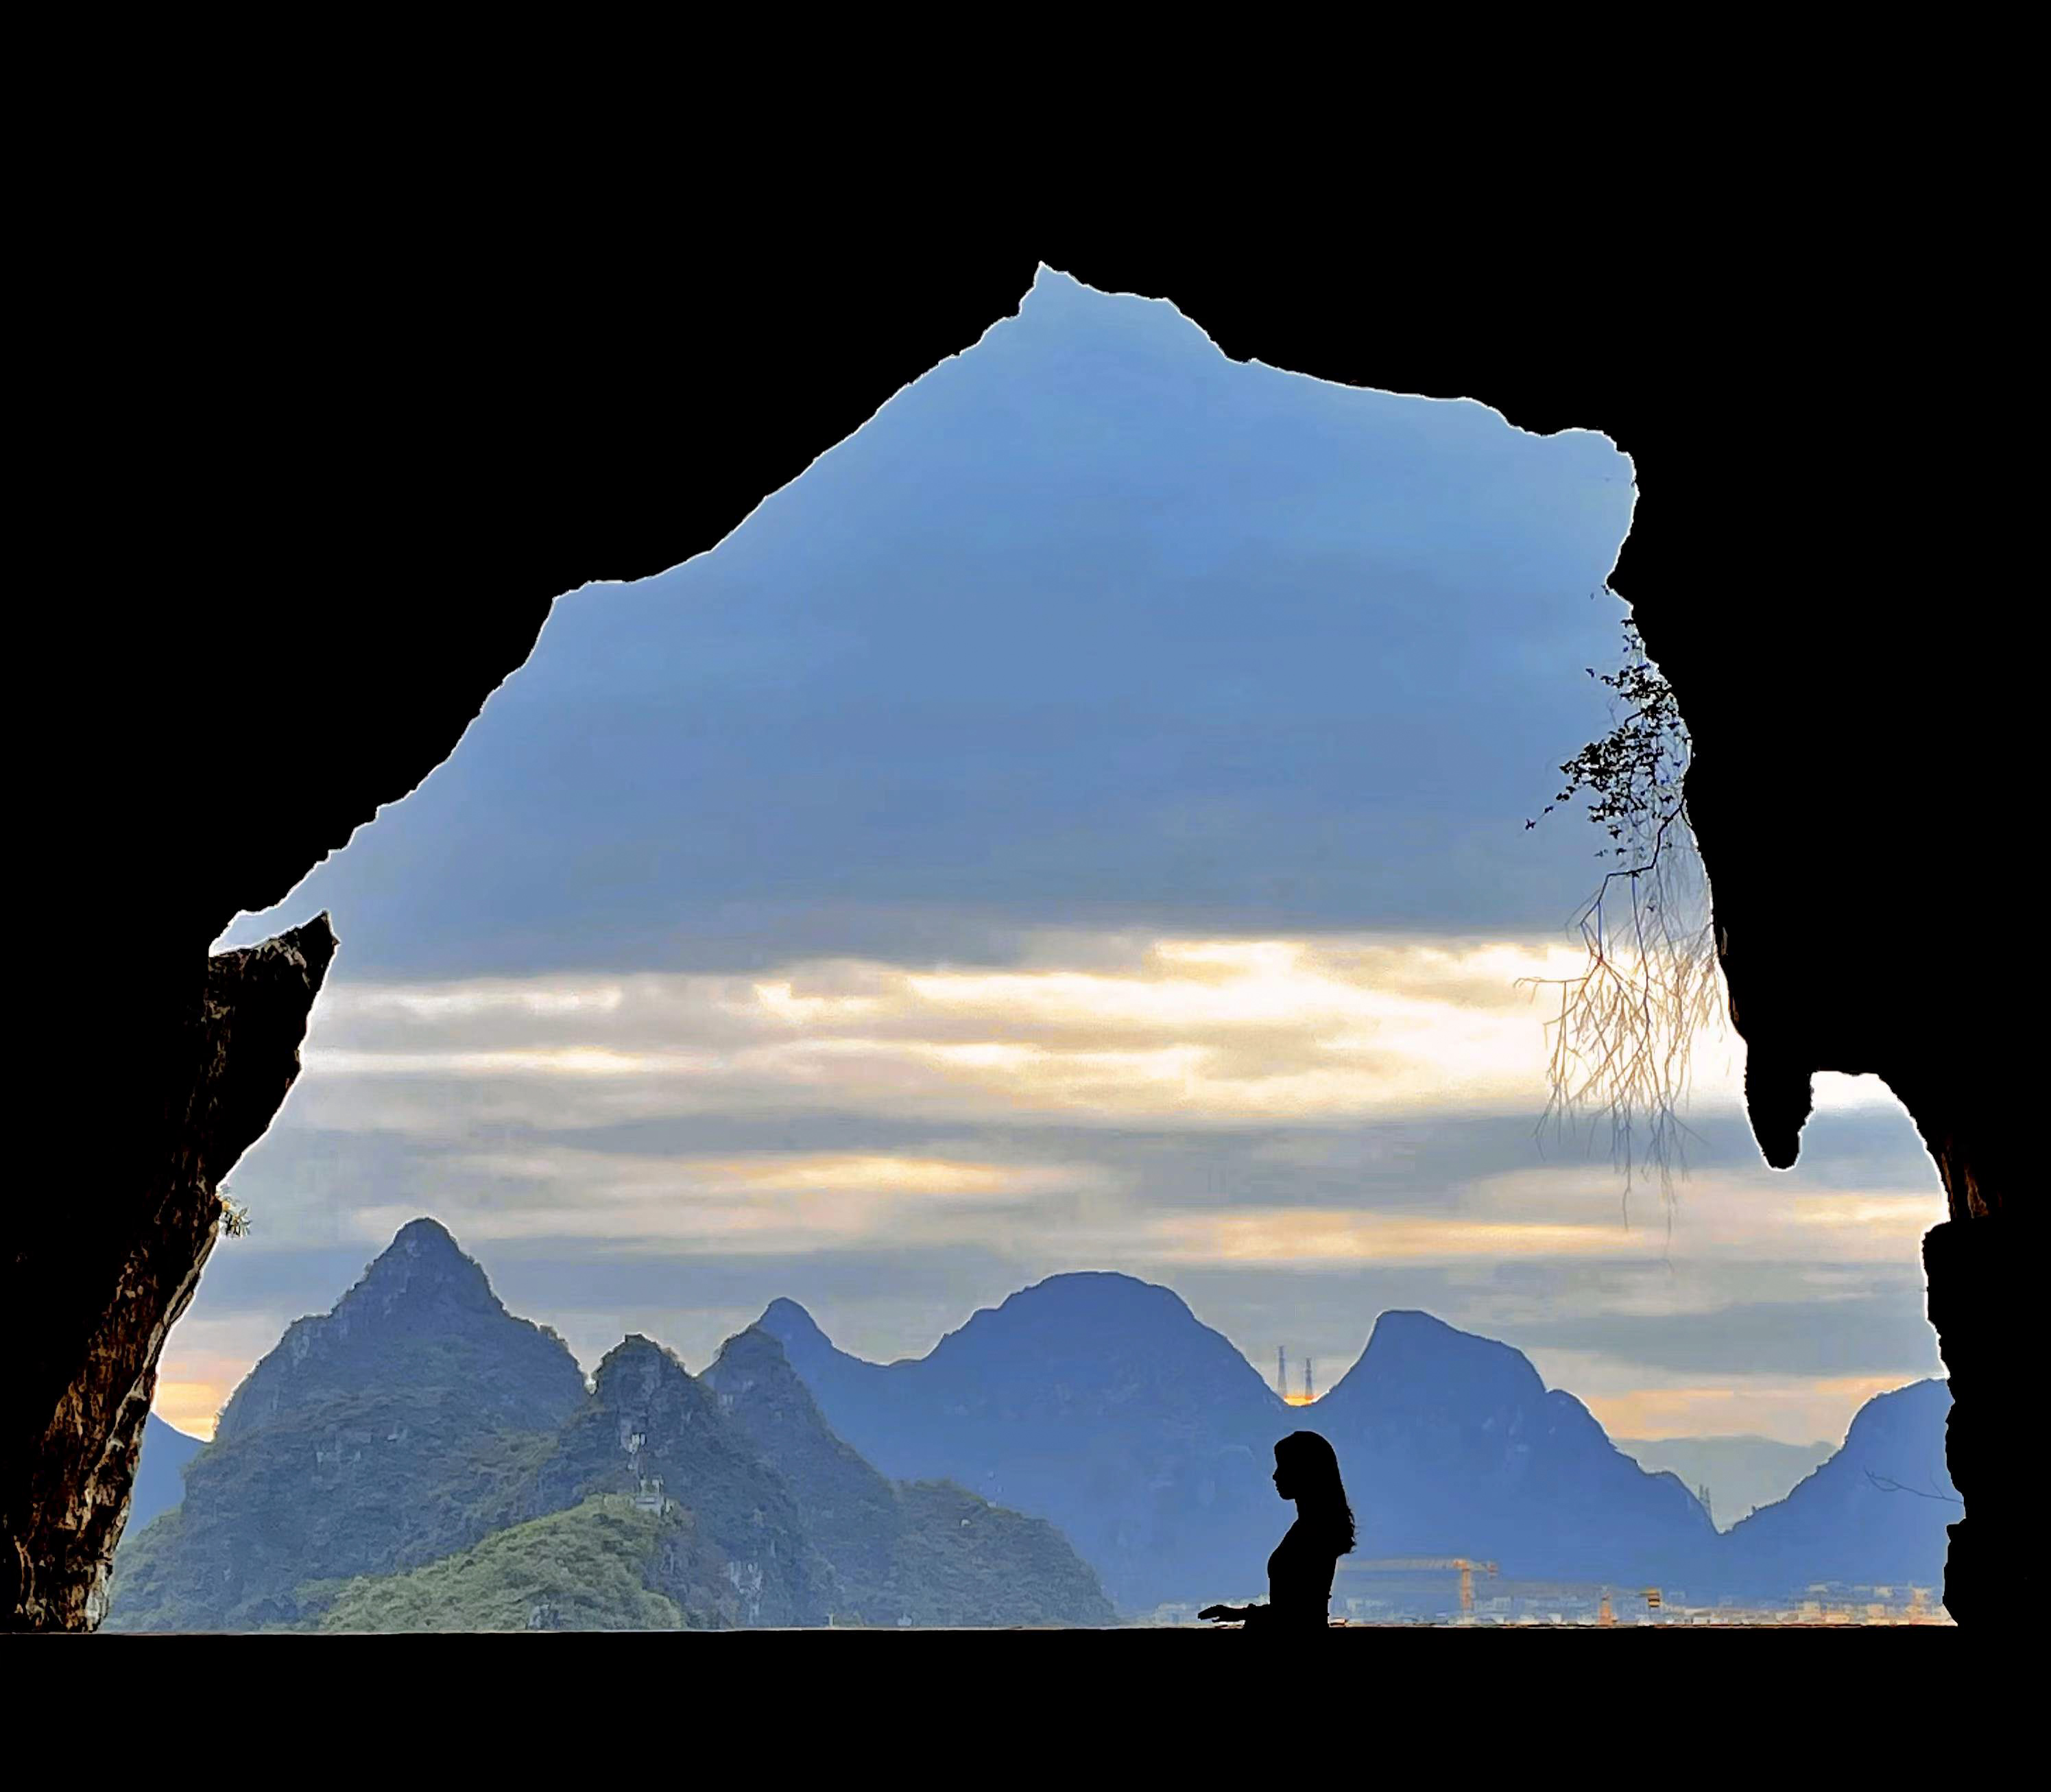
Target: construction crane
1608,1596
1606,1614
1445,1564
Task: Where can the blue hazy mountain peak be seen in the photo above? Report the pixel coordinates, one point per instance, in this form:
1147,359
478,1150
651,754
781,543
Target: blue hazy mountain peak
1101,1402
159,1471
426,1236
422,1263
636,1351
1099,1300
1413,1358
1873,1515
790,1324
421,1298
1104,1403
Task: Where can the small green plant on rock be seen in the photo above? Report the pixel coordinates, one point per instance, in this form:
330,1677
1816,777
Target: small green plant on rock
234,1219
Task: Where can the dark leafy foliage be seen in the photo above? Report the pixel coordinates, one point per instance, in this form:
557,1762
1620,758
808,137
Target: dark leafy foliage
1633,774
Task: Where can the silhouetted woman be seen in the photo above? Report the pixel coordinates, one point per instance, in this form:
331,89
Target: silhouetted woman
1300,1572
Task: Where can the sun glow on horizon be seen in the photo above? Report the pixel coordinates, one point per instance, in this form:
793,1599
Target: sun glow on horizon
192,1407
1009,1097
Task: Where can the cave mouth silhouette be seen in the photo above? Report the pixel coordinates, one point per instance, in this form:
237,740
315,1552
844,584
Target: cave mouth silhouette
573,450
636,651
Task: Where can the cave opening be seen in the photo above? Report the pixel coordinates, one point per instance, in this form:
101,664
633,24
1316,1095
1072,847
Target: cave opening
1690,575
1076,826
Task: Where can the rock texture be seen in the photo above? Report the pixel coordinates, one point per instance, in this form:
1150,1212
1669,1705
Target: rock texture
649,1420
1977,1303
421,1303
391,1431
1844,769
413,1458
221,1079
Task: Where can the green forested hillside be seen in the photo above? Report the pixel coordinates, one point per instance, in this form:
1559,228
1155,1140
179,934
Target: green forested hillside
742,1511
420,1459
923,1554
964,1561
361,1484
586,1569
399,1427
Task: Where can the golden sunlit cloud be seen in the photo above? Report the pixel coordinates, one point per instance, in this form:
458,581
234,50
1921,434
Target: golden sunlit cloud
984,1082
1284,1236
192,1406
789,1202
637,1174
1217,1032
562,1061
827,1173
1792,1411
1727,1214
430,1002
203,1360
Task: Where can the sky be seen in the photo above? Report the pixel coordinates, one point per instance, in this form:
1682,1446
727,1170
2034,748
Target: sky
1077,825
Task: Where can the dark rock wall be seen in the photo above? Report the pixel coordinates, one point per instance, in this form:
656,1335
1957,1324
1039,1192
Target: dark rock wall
325,485
109,1313
321,494
1815,564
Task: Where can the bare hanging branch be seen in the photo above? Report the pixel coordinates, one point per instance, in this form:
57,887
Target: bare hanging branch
1620,1044
1887,1485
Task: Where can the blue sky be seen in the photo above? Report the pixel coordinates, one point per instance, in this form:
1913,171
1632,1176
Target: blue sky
1078,824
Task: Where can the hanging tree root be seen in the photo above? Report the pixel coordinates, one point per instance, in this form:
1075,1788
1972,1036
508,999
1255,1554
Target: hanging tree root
1621,1047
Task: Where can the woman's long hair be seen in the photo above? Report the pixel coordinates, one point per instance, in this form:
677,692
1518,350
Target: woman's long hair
1314,1471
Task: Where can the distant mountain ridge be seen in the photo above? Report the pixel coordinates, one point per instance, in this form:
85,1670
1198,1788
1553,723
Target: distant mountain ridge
1459,1448
372,1439
160,1470
419,1444
648,1419
1096,1401
422,1290
1741,1473
1873,1515
925,1553
1104,1404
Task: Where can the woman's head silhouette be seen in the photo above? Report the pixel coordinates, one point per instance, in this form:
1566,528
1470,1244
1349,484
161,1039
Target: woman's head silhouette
1300,1572
1307,1470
